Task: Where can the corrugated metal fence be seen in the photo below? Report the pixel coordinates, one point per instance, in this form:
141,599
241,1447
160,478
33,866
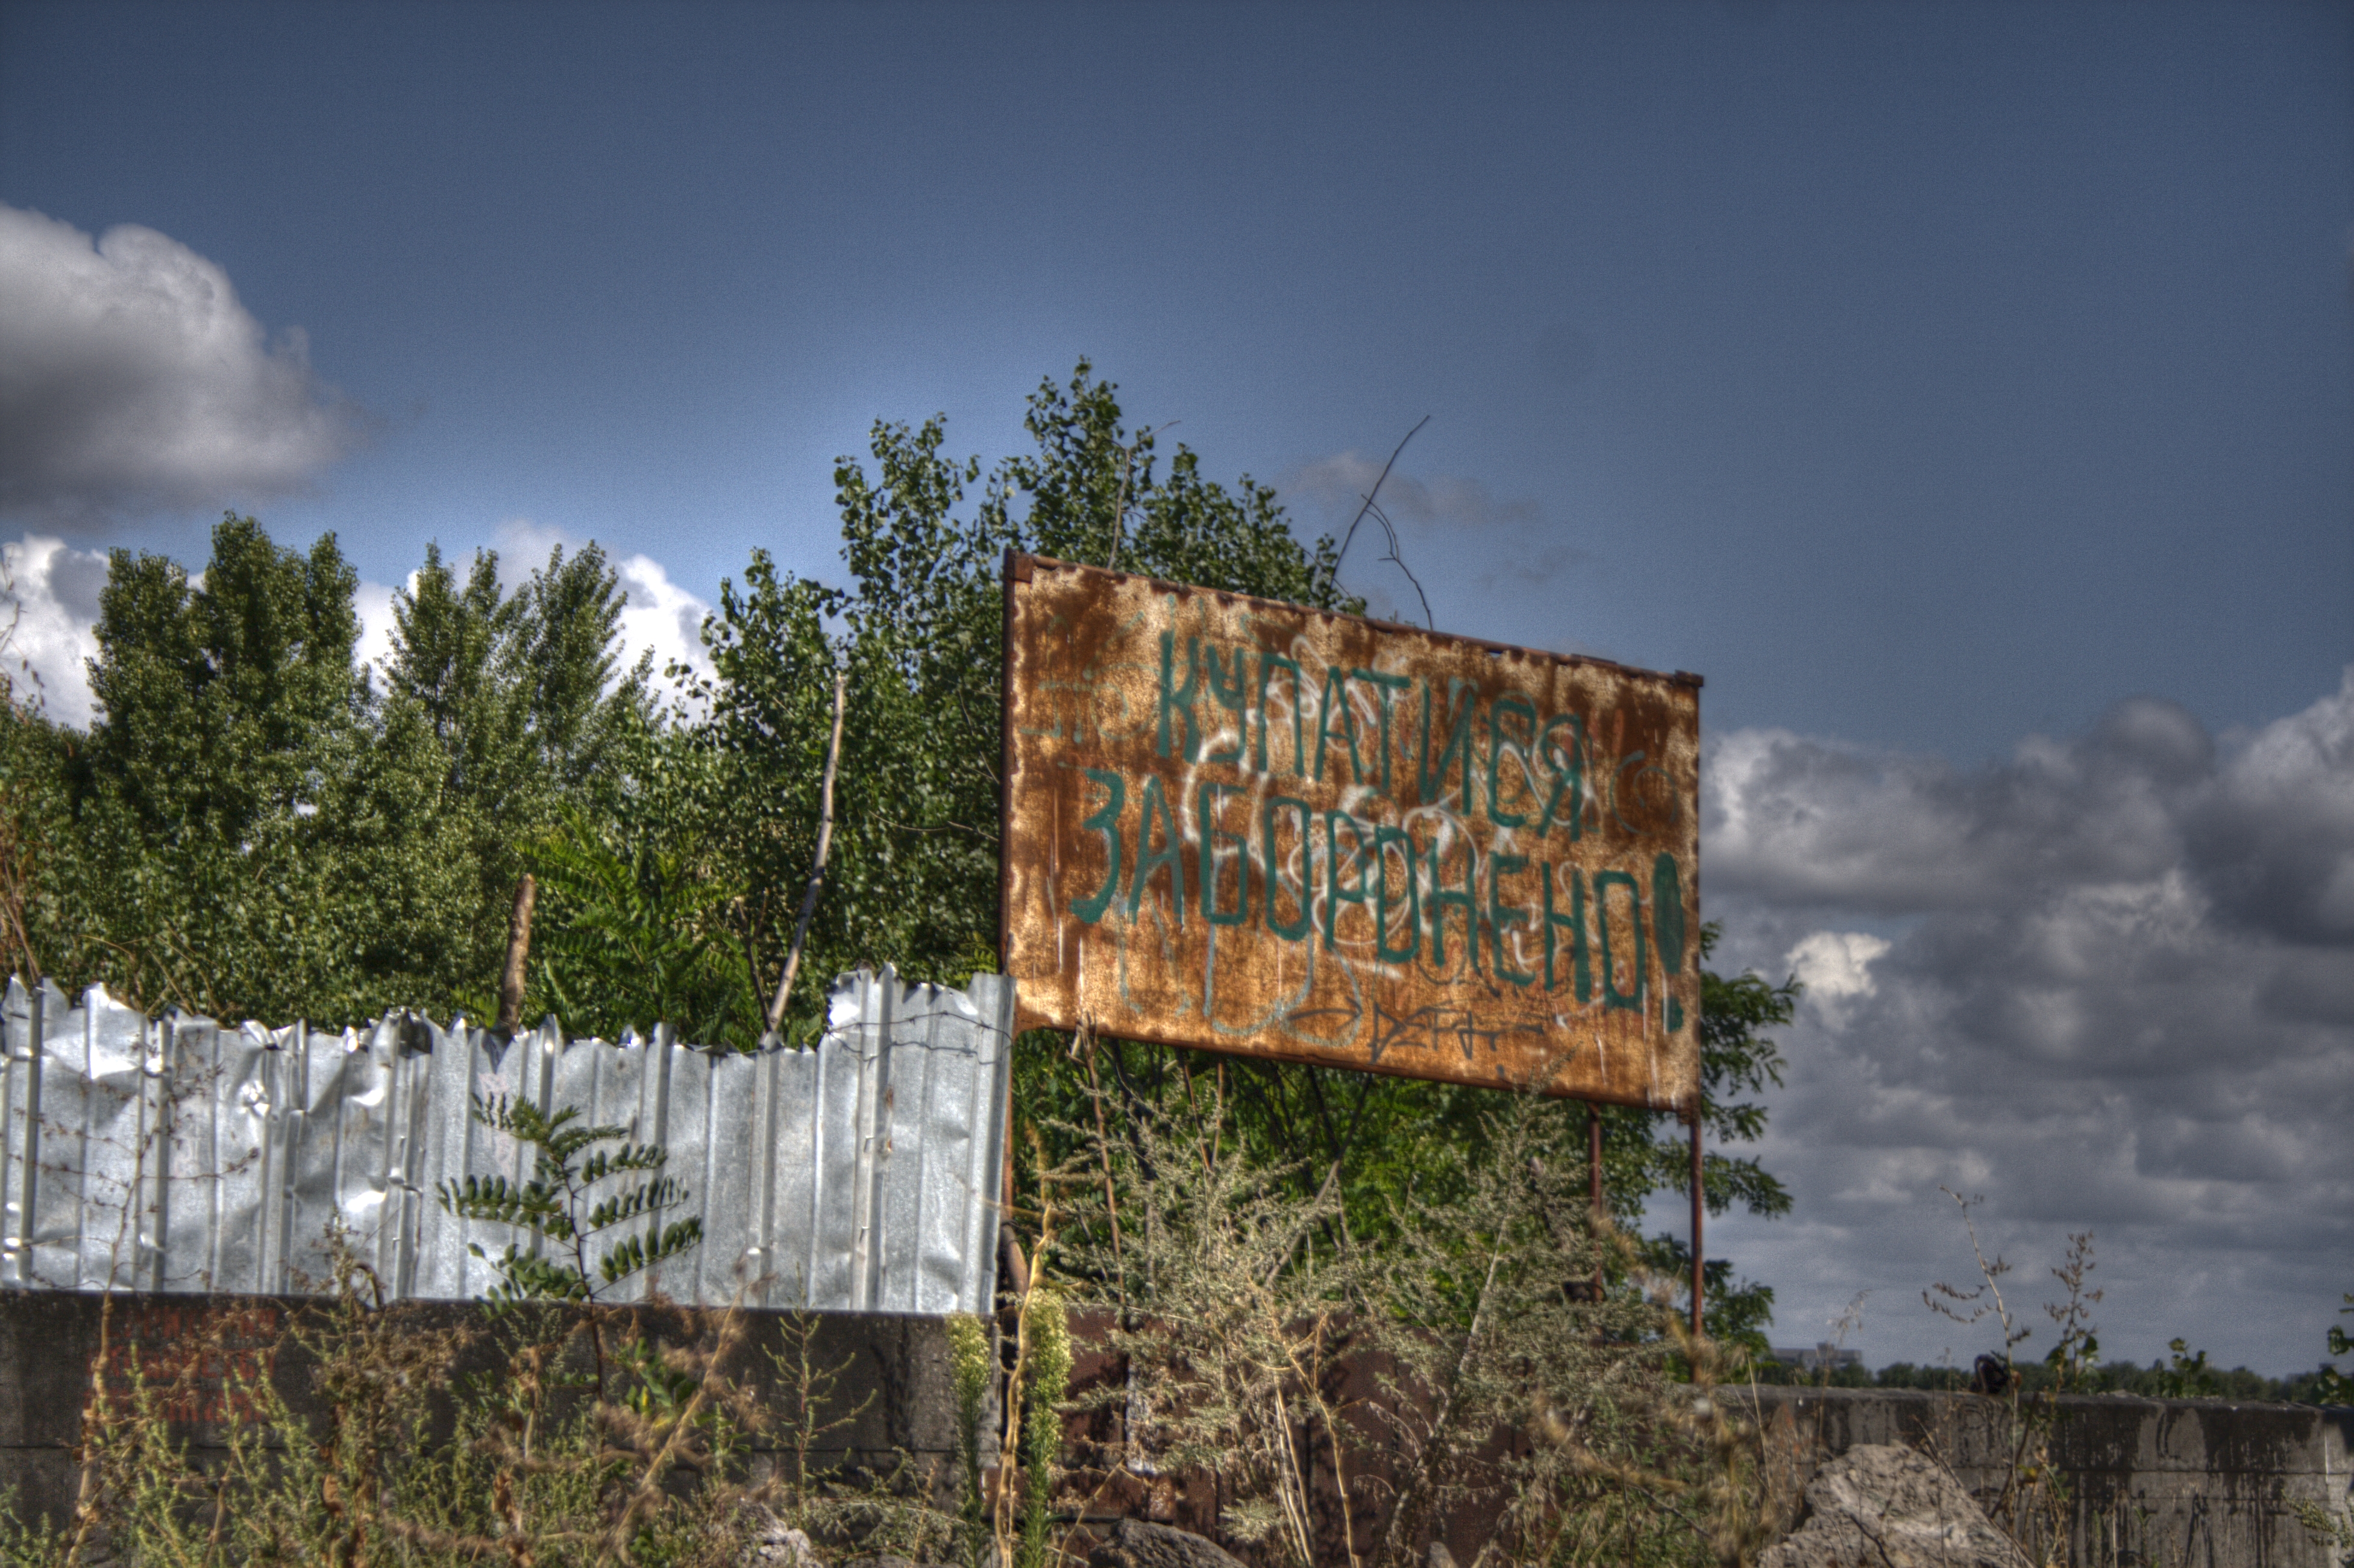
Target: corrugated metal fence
178,1155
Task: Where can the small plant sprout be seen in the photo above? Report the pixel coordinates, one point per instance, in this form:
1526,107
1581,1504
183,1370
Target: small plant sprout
2337,1387
2033,1505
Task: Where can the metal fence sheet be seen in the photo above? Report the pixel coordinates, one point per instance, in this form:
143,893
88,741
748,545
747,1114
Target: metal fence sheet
178,1155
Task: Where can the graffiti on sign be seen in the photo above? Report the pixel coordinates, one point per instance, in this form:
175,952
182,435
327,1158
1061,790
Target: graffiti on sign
1261,829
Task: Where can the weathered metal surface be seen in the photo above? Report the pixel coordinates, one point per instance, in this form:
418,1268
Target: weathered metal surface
177,1155
1260,829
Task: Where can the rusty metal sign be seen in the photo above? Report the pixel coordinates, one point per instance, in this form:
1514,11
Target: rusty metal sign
1257,828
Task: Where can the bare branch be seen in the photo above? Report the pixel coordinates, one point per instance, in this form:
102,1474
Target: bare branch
1376,511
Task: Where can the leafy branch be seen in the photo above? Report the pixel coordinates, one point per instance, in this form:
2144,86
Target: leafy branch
556,1207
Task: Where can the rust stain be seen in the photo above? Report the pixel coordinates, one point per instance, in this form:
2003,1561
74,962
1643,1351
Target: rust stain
1261,829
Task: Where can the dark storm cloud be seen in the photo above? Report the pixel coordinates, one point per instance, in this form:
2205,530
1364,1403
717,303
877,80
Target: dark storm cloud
132,380
2107,983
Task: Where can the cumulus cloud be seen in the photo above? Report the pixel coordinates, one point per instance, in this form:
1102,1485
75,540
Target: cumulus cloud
49,605
2107,983
660,615
373,603
48,609
1837,964
132,379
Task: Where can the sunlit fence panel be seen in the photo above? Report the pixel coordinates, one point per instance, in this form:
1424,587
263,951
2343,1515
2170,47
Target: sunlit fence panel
176,1154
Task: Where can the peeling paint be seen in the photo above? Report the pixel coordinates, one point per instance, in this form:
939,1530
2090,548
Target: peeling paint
1287,834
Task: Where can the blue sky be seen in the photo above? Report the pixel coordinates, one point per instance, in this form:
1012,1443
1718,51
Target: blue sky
1933,379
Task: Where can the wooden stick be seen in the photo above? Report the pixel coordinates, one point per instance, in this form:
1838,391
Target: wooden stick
518,948
817,871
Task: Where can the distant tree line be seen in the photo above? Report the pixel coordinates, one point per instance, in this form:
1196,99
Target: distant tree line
2156,1381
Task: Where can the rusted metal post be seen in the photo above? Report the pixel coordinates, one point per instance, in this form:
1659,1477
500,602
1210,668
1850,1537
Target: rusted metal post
1594,1187
1017,571
1594,1157
1699,1197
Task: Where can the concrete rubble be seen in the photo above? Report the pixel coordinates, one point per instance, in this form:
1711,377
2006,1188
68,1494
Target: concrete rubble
1880,1506
1135,1543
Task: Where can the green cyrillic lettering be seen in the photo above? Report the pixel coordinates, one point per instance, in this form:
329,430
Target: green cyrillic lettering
1384,685
1268,664
1233,696
1575,924
1171,852
1468,901
1382,838
1290,930
1106,821
1569,776
1336,699
1604,881
1333,896
1179,698
1205,806
1500,867
1497,746
1458,742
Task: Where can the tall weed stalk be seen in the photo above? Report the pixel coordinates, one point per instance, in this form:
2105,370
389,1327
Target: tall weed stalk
1355,1406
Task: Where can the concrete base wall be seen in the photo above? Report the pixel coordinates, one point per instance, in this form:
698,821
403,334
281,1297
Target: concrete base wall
892,1394
2166,1483
2151,1483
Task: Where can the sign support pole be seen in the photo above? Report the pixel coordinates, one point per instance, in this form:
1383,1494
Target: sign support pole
1594,1187
1699,1199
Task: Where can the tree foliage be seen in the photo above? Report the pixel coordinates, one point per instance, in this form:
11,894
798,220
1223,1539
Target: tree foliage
257,827
578,1192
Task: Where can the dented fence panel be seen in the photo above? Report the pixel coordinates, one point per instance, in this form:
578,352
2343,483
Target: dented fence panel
177,1155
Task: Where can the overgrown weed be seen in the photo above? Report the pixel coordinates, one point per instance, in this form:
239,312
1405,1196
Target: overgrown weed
2034,1505
1355,1405
380,1435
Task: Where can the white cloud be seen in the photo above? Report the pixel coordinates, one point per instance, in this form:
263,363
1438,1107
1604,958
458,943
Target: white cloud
132,379
373,603
1837,963
48,605
2116,992
660,615
53,589
1341,482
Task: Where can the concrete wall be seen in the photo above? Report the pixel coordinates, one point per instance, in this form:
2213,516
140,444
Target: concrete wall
2167,1483
895,1366
2155,1483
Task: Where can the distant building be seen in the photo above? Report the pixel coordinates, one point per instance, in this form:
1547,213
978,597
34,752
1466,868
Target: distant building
1817,1358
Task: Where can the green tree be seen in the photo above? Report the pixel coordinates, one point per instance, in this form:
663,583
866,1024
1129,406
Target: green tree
637,935
255,832
917,627
912,879
532,716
